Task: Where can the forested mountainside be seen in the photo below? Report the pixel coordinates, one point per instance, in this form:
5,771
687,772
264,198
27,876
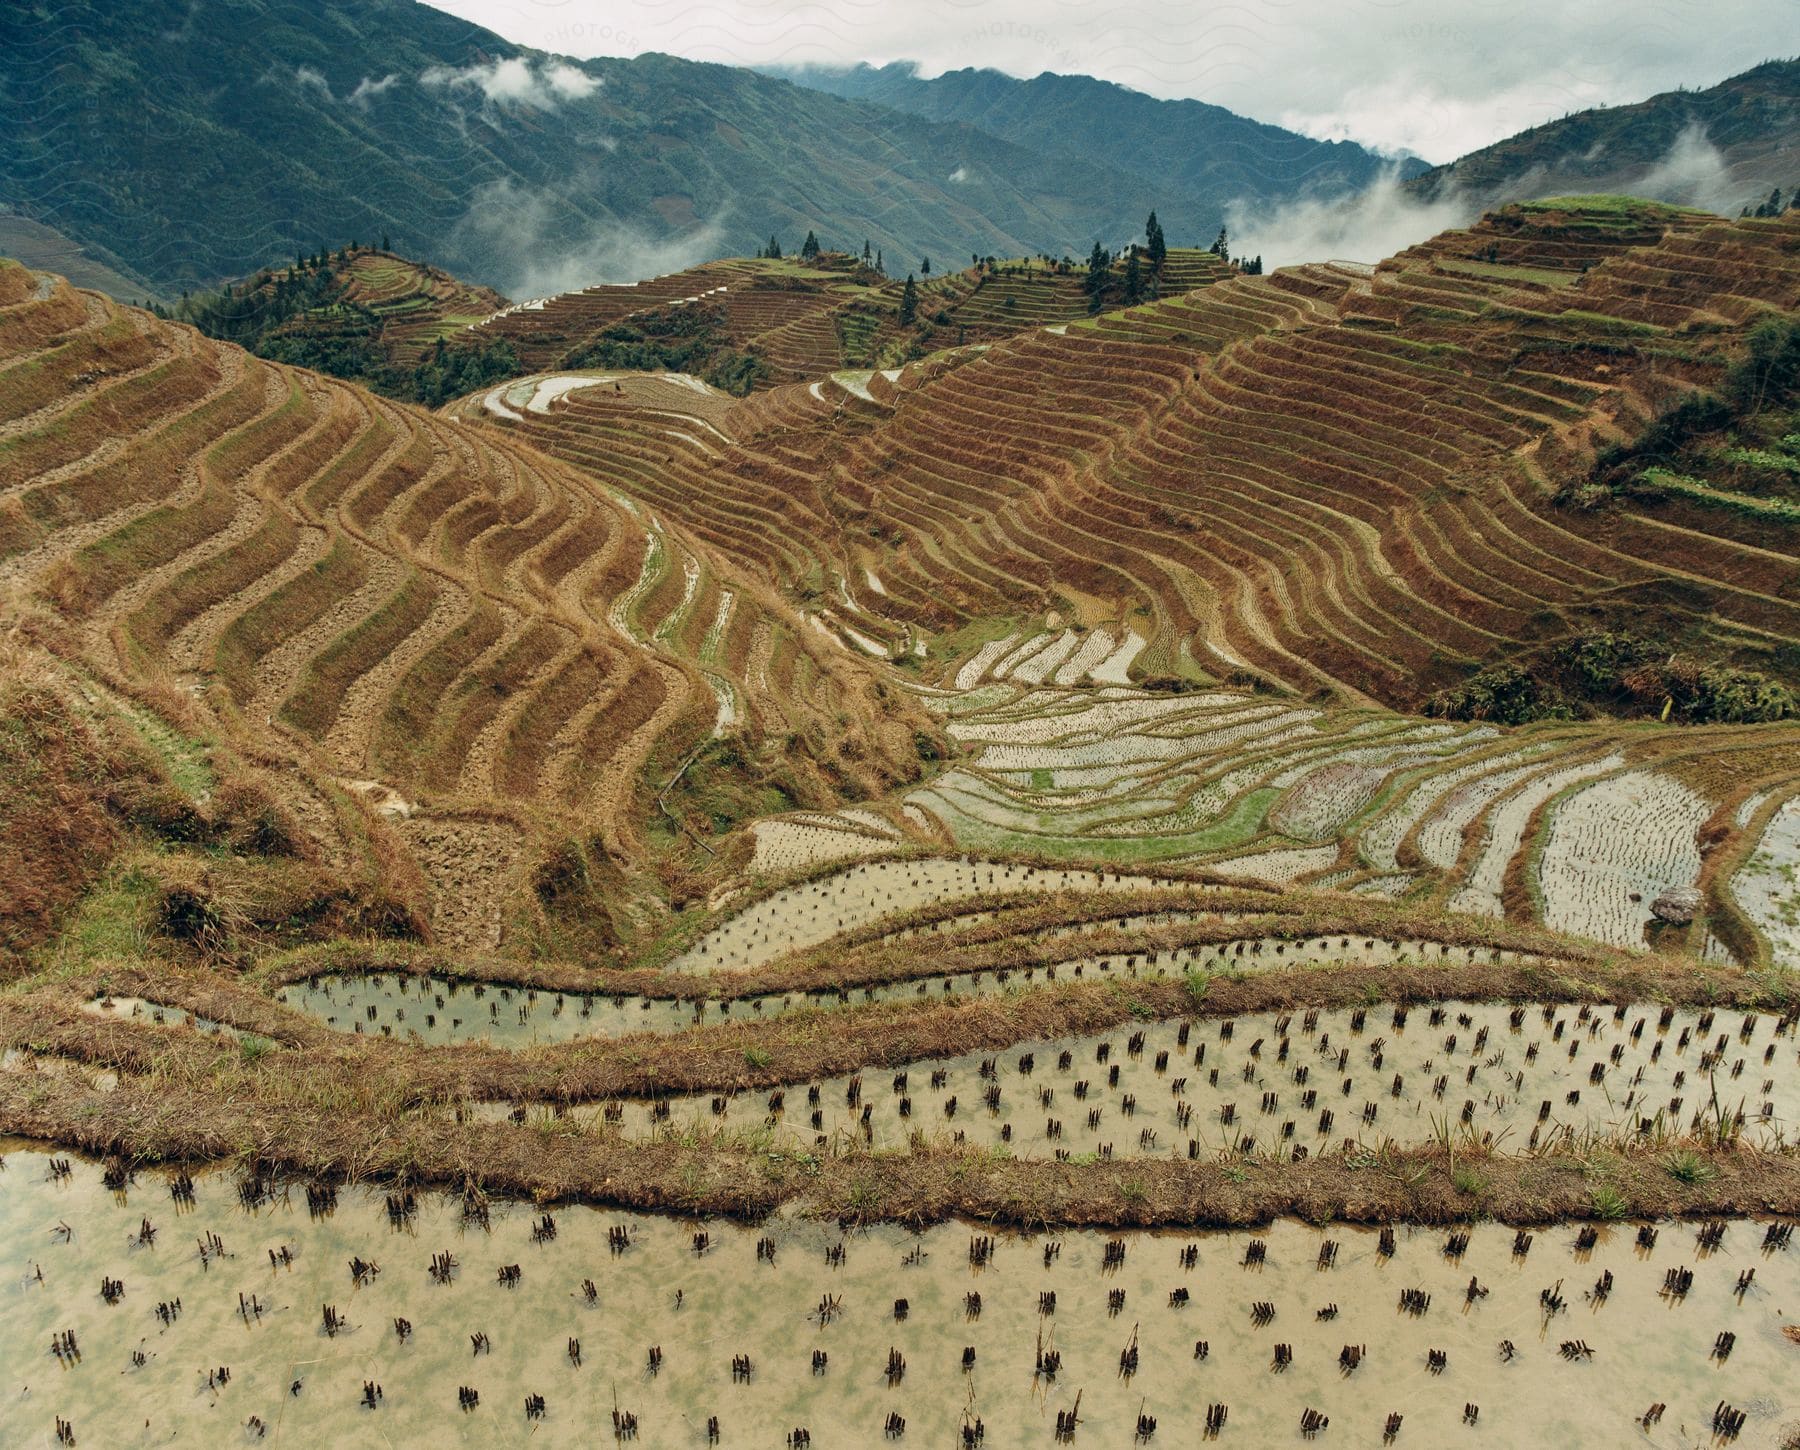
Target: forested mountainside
1723,148
190,143
1200,158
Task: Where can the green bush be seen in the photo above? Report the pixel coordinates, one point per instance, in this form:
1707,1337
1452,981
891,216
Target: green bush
1769,372
1728,696
1506,694
1597,662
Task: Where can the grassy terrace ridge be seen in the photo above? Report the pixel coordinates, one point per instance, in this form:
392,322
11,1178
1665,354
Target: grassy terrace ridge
168,1106
1603,206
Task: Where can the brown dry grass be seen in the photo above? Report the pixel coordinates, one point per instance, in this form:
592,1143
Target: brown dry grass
67,787
797,1046
157,1121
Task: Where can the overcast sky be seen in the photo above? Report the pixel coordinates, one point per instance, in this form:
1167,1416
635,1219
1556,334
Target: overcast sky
1437,77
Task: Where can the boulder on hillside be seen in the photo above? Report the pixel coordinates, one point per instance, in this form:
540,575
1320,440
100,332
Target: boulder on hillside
1678,905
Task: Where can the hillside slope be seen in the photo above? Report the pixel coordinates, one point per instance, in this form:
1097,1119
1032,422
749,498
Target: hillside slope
225,135
1356,481
48,250
359,313
1723,148
796,320
1197,157
514,664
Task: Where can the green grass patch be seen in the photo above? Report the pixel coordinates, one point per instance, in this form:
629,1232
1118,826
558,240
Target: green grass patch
114,919
1695,490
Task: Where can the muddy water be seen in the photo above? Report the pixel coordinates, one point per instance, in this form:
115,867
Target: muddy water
703,1306
1277,1083
137,1009
441,1010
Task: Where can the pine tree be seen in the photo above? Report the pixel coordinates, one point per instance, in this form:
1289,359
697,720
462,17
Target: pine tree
878,265
384,243
1134,280
1155,246
909,302
1220,248
809,248
865,251
774,246
1099,263
925,267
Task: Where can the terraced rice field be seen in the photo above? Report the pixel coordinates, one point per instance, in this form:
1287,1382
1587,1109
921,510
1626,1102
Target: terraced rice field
805,320
908,906
462,628
417,305
802,916
1766,886
1289,1086
1329,478
1581,827
444,1010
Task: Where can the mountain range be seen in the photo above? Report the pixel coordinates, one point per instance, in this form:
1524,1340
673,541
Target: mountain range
1207,155
182,144
176,144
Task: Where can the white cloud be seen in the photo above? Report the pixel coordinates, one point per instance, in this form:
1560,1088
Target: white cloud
569,82
1384,219
310,79
1376,223
1693,173
515,81
960,174
1439,77
367,89
534,255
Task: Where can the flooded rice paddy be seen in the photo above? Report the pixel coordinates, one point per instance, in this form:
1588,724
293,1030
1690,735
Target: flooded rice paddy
443,1010
148,1309
1288,1085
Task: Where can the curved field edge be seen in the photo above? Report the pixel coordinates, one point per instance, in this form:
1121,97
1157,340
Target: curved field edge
318,1104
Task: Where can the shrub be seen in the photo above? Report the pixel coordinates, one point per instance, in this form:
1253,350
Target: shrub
1769,372
1506,694
1715,694
1740,697
1598,661
1661,440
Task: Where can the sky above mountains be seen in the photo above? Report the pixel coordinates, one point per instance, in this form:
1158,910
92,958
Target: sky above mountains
1438,78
